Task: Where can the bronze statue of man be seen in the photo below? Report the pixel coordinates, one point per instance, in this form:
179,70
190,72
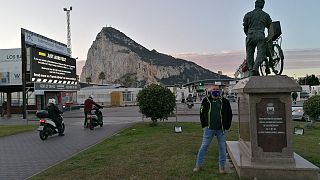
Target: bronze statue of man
254,24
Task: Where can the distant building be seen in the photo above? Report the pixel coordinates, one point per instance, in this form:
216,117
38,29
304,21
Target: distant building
103,94
315,90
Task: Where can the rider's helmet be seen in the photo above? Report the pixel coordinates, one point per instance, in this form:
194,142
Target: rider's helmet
91,97
51,101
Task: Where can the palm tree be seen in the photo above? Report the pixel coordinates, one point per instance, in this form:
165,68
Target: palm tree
102,76
88,80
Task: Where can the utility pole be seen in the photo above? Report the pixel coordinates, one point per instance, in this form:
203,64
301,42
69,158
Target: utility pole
68,28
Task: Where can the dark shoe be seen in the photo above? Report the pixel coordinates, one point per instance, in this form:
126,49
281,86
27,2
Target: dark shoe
225,169
222,170
61,134
268,71
251,73
255,73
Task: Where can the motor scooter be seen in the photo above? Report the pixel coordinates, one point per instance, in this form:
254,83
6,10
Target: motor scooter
95,119
189,104
47,126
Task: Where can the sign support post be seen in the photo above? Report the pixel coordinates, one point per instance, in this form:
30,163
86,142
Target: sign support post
24,63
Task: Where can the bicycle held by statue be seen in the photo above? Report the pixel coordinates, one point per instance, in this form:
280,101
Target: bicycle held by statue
274,54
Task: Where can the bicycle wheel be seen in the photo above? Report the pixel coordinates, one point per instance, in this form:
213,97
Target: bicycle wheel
277,59
263,67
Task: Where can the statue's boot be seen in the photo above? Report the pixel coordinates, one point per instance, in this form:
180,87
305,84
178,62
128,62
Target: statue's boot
251,73
255,73
267,71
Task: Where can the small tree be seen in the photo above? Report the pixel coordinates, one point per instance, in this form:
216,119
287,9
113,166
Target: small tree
309,80
311,107
102,76
88,80
156,102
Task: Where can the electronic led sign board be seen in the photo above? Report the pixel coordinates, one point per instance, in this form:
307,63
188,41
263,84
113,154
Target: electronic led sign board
49,67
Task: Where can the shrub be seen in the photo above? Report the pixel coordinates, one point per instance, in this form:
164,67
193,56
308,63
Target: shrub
156,102
311,107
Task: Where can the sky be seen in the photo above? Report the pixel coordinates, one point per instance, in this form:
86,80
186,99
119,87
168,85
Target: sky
175,27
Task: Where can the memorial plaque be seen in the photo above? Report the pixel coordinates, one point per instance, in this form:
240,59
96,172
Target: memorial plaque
271,125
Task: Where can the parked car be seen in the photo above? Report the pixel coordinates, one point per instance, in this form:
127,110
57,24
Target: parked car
297,112
231,98
304,94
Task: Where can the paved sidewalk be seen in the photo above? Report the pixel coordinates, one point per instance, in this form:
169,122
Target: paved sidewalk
25,154
15,119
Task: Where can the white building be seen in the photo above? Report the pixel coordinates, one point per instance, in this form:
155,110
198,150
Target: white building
315,90
102,94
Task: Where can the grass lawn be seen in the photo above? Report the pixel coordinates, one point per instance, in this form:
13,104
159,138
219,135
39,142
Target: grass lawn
308,145
143,152
6,130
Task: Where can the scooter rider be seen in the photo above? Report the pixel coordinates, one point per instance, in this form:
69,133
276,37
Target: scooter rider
54,114
88,105
190,99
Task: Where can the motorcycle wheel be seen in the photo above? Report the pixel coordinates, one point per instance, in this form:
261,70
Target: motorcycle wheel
62,128
43,135
263,68
91,127
101,123
100,116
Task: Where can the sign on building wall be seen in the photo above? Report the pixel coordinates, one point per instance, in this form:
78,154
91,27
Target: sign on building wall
50,67
56,87
10,67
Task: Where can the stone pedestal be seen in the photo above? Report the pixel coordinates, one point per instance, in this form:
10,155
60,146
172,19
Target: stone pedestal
264,149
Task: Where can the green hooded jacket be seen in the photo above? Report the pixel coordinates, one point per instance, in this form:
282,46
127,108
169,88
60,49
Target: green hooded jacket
225,114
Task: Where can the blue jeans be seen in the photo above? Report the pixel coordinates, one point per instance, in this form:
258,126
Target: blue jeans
208,134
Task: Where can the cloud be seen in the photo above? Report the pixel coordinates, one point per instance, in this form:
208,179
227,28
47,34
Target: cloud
228,61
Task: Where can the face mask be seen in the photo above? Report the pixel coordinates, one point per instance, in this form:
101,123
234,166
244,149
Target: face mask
215,93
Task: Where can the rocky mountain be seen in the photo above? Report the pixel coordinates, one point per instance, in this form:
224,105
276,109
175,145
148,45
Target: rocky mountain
80,64
124,61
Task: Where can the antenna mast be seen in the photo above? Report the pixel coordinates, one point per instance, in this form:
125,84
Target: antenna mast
68,28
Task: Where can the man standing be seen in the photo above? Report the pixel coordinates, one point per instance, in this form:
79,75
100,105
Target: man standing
254,24
215,117
4,108
294,96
